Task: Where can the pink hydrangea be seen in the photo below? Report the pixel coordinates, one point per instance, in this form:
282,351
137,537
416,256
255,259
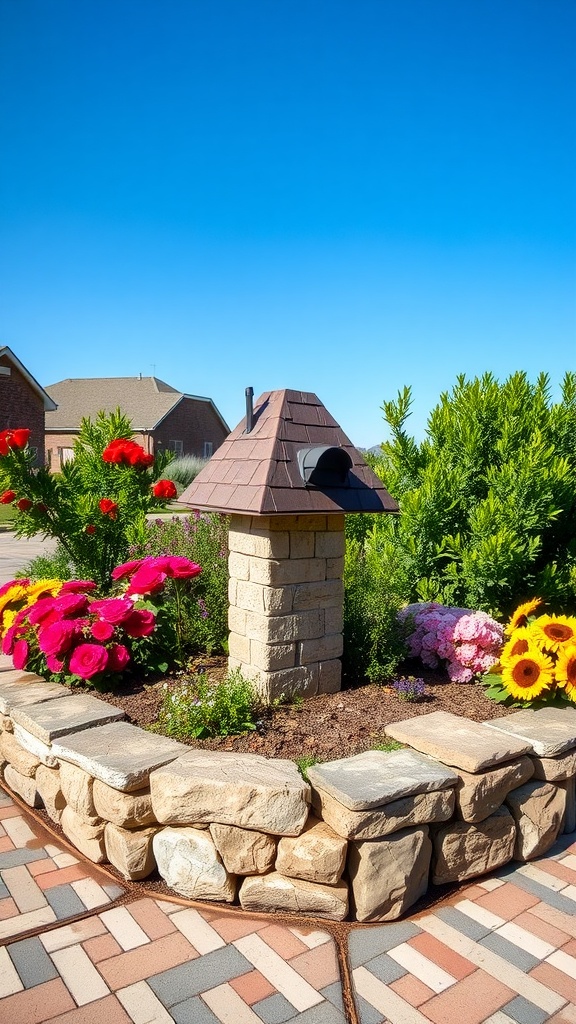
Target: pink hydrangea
469,642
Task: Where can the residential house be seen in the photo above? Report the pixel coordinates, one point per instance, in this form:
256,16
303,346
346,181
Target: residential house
162,417
23,402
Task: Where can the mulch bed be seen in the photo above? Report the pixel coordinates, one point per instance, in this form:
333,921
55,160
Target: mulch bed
326,727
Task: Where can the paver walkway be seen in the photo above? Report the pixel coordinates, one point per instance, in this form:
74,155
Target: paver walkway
500,951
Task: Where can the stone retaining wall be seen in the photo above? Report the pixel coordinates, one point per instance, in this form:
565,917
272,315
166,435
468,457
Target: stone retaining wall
362,841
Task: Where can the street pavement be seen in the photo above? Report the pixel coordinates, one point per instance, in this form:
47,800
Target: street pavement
16,553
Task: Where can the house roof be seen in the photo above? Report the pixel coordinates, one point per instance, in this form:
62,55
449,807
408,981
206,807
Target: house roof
145,400
47,401
258,474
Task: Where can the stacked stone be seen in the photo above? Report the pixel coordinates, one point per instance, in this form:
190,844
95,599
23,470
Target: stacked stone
496,799
286,596
383,804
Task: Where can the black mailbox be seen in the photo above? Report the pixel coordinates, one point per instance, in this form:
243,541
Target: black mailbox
324,466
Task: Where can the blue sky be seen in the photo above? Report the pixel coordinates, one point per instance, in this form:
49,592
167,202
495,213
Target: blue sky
338,196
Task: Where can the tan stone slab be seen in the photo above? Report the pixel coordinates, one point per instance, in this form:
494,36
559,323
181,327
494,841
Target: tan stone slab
87,838
37,747
50,721
378,777
479,795
48,786
77,787
555,769
23,785
538,809
244,852
21,759
463,850
18,689
127,810
293,895
189,863
119,754
130,850
317,855
389,875
423,808
246,790
549,731
456,741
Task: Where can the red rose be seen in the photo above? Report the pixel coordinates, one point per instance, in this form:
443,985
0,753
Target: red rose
54,663
7,498
41,507
88,660
20,654
90,529
118,657
164,489
24,504
102,630
20,437
43,612
77,587
140,623
108,508
68,605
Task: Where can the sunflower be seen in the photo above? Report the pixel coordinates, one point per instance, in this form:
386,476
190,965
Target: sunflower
519,643
520,616
42,588
554,631
525,676
566,670
12,596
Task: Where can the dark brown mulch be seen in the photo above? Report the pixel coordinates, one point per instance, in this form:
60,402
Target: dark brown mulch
326,727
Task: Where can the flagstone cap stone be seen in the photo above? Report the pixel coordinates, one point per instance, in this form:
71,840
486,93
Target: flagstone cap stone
457,741
17,689
50,720
377,777
119,754
549,731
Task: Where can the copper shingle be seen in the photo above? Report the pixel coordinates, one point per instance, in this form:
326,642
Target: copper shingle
257,473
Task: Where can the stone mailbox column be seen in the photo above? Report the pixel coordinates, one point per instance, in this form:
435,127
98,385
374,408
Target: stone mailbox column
287,602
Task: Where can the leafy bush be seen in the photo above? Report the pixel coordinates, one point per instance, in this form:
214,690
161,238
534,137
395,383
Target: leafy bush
488,499
204,708
184,470
203,538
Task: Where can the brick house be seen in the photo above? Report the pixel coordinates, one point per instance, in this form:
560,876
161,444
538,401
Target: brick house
162,417
23,402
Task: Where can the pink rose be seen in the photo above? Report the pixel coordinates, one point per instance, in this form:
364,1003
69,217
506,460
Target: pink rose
181,568
57,638
118,657
112,609
146,580
71,604
8,640
77,587
53,663
88,660
20,654
140,623
43,612
13,583
102,630
126,569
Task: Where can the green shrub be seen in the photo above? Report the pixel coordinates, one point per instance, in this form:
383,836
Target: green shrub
488,499
56,566
203,538
184,470
204,708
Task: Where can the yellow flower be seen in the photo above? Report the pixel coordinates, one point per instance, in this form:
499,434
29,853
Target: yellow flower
554,631
520,616
566,670
14,594
42,588
525,676
8,618
519,643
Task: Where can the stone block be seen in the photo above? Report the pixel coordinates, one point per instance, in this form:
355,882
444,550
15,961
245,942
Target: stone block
277,600
463,850
335,523
275,892
378,777
22,760
325,648
51,719
329,676
549,731
301,544
127,810
334,568
239,647
270,657
23,785
324,594
77,787
232,586
237,620
189,863
17,689
239,566
33,745
89,839
302,522
555,769
119,754
478,796
260,543
317,855
538,809
246,790
387,876
273,573
457,741
130,850
334,619
48,786
423,808
244,852
301,681
330,545
250,596
6,724
306,625
569,787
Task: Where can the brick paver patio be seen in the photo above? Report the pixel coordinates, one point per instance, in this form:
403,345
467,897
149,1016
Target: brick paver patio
76,948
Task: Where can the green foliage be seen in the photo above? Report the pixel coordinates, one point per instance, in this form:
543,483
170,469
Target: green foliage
387,745
56,566
304,763
488,499
203,538
184,470
373,593
66,506
204,708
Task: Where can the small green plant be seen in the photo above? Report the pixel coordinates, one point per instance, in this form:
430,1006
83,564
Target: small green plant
304,763
408,688
184,470
387,745
203,708
49,567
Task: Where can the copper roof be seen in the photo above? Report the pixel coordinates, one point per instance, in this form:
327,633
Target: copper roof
257,473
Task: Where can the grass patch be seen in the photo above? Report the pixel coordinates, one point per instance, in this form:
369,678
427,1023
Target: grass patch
6,516
386,745
304,763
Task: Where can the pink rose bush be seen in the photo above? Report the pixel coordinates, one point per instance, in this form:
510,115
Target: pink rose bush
468,642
